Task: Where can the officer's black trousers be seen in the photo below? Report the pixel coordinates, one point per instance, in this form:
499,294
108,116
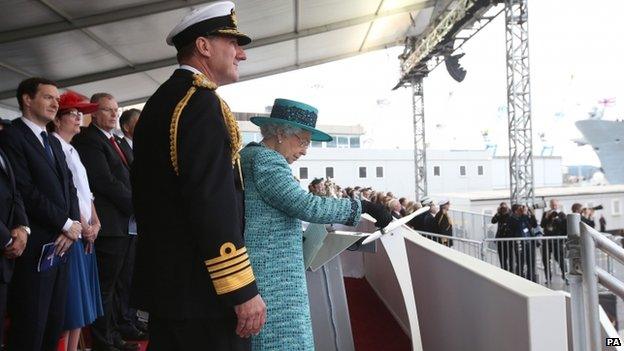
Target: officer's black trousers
195,334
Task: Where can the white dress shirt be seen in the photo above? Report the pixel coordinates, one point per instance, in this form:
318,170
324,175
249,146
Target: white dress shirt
129,141
35,129
81,182
190,68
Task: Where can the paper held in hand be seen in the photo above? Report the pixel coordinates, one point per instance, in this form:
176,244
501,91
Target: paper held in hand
320,247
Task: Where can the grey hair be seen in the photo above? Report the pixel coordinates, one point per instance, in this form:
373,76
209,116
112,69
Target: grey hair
270,130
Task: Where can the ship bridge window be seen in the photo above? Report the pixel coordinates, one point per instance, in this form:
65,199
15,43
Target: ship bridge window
616,207
343,142
462,171
355,142
362,172
379,172
329,172
436,170
303,173
480,170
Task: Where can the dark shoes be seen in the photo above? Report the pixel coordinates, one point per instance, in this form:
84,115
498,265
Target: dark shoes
126,345
142,326
133,334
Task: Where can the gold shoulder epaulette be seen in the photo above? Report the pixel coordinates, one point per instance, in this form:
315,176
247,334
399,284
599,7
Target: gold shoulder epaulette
173,129
201,81
231,270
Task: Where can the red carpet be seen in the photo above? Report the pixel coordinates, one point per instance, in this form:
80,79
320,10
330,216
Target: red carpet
374,328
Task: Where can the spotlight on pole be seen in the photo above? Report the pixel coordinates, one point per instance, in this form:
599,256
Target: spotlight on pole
454,68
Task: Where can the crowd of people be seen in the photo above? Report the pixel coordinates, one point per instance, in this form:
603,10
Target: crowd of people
519,221
67,187
436,220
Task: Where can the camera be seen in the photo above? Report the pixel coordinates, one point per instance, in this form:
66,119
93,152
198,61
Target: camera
596,208
538,205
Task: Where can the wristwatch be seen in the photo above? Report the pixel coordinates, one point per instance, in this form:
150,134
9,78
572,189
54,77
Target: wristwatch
26,229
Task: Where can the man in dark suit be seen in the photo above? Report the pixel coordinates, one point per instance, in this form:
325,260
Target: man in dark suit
128,324
14,230
127,123
187,192
108,170
37,295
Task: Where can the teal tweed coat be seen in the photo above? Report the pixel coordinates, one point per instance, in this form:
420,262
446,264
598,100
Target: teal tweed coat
275,204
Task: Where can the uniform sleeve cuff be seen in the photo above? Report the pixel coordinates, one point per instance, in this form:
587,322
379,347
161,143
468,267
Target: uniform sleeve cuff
241,295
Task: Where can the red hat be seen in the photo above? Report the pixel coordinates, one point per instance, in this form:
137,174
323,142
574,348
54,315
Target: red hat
71,99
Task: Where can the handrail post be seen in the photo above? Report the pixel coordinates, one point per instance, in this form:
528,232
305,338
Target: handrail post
484,244
575,277
590,286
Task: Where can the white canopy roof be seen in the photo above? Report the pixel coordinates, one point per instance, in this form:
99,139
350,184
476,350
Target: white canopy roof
118,46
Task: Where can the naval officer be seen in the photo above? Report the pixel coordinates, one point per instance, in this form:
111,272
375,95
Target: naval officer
192,273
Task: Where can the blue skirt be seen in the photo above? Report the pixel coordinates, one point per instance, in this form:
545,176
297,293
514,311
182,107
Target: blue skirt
84,302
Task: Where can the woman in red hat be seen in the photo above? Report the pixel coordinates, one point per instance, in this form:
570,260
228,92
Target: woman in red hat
84,303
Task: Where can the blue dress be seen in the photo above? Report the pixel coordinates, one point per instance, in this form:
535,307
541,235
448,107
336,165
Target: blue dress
84,303
275,204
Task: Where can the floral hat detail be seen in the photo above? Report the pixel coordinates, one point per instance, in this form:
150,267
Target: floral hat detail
71,99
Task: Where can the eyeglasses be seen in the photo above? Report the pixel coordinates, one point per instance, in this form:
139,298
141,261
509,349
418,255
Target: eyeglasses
110,110
74,114
302,143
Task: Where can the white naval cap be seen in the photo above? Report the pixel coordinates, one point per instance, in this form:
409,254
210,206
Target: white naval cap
426,200
215,19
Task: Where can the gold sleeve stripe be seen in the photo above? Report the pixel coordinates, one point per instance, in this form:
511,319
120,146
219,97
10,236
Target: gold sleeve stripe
234,281
231,270
173,129
226,252
229,263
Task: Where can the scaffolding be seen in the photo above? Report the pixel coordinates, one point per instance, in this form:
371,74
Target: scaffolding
519,102
457,23
420,148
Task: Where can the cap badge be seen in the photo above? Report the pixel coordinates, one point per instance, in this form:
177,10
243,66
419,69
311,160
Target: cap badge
233,16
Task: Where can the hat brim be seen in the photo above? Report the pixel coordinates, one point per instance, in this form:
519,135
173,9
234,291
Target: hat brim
242,38
315,134
84,107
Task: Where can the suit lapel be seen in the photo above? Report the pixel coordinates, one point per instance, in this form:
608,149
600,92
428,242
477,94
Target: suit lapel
126,149
59,157
34,141
9,171
108,143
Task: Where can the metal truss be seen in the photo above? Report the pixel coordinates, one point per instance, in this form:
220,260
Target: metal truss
519,102
426,53
420,147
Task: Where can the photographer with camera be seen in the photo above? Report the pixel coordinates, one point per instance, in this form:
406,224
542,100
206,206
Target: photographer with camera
554,224
505,248
587,214
522,223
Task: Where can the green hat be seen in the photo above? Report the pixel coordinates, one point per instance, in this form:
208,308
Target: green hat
296,114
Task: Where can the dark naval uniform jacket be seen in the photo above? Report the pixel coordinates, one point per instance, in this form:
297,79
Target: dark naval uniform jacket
191,260
12,215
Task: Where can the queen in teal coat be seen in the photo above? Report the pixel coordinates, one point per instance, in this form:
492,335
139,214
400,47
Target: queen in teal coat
275,205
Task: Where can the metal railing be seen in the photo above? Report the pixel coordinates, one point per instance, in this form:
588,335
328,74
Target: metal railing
585,276
469,247
472,225
541,259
